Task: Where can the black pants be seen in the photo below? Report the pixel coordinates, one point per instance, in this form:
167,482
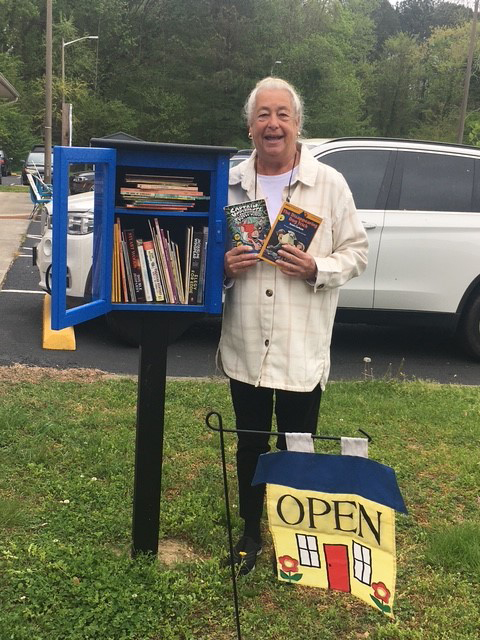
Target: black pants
296,412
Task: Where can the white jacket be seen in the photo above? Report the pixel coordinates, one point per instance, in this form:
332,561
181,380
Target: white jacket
276,330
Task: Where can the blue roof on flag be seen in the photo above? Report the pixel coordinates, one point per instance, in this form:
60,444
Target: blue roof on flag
331,474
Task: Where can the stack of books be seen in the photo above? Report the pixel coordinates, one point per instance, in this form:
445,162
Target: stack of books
160,193
152,270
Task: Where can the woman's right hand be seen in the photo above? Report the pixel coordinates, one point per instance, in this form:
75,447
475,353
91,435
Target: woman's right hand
238,260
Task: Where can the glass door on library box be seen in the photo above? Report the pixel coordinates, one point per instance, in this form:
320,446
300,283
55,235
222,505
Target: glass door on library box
115,162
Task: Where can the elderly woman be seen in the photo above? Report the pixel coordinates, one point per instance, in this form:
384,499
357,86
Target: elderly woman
278,320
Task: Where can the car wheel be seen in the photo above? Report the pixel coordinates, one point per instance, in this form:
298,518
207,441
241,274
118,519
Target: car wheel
469,328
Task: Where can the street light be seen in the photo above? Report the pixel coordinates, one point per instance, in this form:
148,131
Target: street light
273,66
66,139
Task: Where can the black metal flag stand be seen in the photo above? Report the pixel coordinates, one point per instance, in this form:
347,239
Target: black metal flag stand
222,431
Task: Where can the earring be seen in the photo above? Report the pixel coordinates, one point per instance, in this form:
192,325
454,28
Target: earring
250,135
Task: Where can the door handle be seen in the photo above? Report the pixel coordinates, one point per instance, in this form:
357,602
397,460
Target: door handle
368,225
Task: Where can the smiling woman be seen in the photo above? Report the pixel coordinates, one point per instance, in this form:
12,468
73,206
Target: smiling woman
278,320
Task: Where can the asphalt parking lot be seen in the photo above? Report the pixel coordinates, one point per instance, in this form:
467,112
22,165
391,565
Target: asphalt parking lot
398,352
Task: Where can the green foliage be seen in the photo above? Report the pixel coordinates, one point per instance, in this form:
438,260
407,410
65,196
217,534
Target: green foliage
395,86
180,70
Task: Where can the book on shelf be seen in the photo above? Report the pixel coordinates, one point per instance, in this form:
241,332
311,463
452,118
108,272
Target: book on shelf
171,264
160,257
115,268
197,242
248,223
158,269
120,291
151,260
203,267
166,262
136,269
160,193
131,297
143,266
293,226
188,261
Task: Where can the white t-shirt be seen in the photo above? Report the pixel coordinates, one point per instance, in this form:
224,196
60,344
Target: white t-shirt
272,188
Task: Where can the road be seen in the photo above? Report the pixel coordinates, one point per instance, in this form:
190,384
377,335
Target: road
400,352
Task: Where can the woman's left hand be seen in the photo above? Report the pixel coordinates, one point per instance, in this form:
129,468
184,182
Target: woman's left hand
296,263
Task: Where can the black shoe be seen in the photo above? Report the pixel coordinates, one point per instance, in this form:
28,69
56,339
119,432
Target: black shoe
245,554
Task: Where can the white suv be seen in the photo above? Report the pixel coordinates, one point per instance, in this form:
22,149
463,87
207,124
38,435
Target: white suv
420,204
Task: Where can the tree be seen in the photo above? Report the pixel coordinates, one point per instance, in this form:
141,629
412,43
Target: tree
387,23
395,86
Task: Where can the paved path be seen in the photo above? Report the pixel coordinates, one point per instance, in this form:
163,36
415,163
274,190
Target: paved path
15,209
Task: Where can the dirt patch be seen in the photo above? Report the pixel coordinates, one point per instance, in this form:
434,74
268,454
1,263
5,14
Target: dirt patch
23,373
172,552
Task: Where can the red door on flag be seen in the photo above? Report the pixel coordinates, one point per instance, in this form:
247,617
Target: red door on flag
336,557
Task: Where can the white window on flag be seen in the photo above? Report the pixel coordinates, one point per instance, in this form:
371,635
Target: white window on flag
308,550
362,563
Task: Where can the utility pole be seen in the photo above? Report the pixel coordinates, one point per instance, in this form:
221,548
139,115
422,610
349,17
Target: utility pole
48,96
468,73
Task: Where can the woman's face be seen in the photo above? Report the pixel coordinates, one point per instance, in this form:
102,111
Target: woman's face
274,126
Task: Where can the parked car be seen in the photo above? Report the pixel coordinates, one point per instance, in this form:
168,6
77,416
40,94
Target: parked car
420,205
240,156
35,163
82,181
80,246
4,164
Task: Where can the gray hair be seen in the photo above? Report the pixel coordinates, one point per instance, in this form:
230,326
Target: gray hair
274,83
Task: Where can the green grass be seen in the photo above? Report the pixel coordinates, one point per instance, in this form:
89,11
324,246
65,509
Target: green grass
66,477
13,189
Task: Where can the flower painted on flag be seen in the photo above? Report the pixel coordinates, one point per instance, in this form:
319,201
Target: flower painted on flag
289,568
381,596
288,564
381,592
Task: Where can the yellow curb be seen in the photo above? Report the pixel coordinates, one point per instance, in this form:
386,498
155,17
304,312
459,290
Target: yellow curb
63,339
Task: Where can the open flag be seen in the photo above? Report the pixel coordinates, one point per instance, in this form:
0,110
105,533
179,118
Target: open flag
332,520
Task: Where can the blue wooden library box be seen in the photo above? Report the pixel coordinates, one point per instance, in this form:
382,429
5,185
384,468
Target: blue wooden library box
175,191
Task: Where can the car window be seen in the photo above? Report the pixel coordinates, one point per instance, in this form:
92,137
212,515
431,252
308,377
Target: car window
436,182
37,158
363,169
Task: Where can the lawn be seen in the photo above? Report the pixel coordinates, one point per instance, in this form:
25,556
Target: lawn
13,189
67,444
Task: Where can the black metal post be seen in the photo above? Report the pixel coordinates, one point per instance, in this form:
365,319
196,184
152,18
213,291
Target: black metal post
150,426
158,330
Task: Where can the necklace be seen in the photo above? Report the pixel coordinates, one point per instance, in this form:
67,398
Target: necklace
289,180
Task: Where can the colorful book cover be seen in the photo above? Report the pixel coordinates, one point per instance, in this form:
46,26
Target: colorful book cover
143,265
293,226
248,223
197,242
154,272
135,265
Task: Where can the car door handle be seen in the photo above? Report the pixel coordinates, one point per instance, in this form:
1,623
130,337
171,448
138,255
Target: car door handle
368,225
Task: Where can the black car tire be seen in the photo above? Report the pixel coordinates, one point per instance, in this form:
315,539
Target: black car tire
469,328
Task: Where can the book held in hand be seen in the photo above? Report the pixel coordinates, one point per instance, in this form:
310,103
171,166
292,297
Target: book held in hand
293,226
248,223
